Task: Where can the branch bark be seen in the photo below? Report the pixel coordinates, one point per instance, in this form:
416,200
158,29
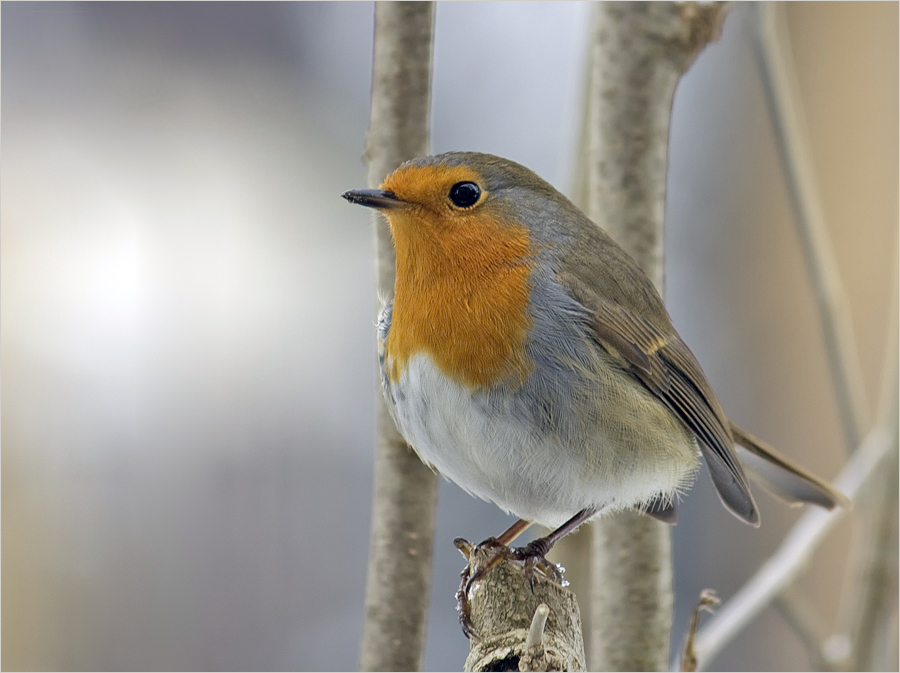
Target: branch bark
639,53
405,491
503,610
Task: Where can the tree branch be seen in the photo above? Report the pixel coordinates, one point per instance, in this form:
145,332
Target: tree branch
639,52
405,491
782,95
797,548
873,591
874,569
505,613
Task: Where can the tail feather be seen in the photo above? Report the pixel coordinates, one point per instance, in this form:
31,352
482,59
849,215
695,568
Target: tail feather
782,477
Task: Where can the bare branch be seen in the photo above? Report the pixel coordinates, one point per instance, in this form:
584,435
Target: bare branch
405,492
632,601
797,548
875,571
708,600
782,95
639,52
872,598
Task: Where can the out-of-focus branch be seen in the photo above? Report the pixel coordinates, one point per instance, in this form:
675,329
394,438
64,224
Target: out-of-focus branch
783,97
573,552
708,601
874,591
791,558
405,492
868,602
639,51
872,596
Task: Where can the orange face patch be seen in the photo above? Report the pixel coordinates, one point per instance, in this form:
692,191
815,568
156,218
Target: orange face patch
428,185
462,289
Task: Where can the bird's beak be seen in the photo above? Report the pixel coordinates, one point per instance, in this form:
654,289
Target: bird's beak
373,198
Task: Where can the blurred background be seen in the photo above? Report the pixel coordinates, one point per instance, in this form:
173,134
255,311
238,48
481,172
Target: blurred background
188,371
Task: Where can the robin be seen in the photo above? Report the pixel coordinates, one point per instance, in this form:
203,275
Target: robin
527,357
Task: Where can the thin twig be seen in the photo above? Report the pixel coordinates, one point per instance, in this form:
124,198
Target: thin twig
872,596
873,577
405,491
786,109
708,600
536,631
796,549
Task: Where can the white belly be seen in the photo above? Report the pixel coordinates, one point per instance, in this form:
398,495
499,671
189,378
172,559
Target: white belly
484,442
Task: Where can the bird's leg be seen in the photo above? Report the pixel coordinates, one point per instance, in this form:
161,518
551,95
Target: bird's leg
531,554
534,552
512,532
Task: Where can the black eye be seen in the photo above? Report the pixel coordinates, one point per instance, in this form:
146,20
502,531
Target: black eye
465,194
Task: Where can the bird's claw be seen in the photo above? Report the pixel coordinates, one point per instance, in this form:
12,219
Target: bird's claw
465,547
462,594
533,556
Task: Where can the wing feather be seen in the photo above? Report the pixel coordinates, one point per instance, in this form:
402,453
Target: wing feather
665,365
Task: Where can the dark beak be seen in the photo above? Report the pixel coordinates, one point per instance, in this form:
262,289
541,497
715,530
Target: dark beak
373,198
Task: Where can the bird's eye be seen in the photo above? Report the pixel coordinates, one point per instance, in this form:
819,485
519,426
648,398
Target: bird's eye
465,194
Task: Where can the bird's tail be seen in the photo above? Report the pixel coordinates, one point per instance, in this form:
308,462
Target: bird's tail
782,477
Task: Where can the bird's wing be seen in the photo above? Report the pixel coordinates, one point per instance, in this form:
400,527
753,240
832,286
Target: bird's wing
669,370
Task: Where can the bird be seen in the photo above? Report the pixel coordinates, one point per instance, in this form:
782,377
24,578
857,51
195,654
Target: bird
526,357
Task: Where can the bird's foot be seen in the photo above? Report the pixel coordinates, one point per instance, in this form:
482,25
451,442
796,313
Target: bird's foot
481,558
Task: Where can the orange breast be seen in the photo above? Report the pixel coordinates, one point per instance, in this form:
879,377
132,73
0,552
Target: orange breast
461,296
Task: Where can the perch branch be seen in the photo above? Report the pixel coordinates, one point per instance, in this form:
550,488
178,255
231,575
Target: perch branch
507,616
